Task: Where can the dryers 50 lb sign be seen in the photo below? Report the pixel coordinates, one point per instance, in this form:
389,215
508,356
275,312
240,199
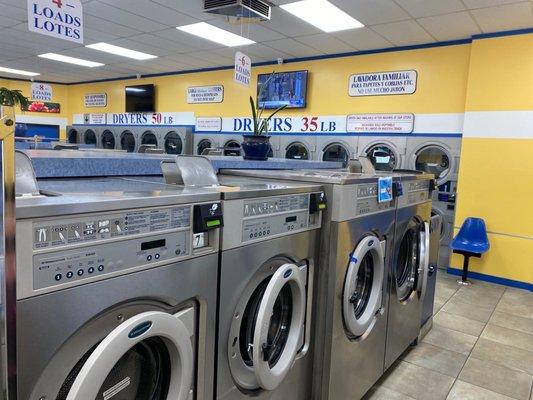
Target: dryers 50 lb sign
383,83
62,19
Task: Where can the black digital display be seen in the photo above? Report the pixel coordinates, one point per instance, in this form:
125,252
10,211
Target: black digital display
140,98
290,219
154,244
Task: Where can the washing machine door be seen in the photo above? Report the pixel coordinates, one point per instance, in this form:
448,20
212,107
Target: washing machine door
203,145
127,141
173,143
108,140
363,286
435,160
382,157
408,263
148,137
232,148
336,152
297,151
423,267
89,137
149,356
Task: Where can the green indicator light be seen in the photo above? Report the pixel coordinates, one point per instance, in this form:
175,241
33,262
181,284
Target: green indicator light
215,222
321,206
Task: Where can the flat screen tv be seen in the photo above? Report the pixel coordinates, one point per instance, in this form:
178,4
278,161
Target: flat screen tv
140,98
284,88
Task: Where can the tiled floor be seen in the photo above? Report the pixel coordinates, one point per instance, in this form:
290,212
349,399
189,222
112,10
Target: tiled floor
480,348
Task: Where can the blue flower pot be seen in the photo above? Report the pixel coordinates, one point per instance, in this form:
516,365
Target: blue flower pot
256,147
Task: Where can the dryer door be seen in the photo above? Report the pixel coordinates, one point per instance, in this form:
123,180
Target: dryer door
108,140
173,143
336,152
435,160
232,148
148,137
363,286
149,356
297,151
203,145
382,157
279,325
89,137
127,141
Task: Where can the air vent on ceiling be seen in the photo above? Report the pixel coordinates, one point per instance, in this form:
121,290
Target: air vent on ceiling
246,9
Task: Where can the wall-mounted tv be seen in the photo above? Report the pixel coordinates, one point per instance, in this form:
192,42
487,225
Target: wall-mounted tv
140,98
284,88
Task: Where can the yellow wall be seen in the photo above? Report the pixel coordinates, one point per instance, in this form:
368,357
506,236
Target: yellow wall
496,172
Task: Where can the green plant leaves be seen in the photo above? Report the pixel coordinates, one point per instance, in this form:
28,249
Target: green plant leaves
13,98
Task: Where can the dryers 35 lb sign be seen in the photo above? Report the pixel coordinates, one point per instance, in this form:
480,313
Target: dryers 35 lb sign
383,83
62,19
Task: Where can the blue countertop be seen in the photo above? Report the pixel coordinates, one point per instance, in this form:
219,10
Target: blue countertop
75,163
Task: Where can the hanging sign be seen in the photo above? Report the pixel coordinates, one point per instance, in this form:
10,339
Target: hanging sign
95,100
243,69
383,83
95,119
205,94
385,189
41,91
380,123
208,124
62,19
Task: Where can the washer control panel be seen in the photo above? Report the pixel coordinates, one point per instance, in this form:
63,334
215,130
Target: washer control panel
367,200
415,191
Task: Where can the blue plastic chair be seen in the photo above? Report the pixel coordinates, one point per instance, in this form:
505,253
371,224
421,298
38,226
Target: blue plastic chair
471,241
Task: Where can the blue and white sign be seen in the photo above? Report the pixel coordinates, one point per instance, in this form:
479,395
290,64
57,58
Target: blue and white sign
41,92
383,83
385,189
208,124
62,19
308,124
243,69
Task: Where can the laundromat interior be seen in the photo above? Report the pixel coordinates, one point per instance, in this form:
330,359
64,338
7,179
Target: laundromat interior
266,199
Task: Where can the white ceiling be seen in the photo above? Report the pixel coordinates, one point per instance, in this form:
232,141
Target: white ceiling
149,26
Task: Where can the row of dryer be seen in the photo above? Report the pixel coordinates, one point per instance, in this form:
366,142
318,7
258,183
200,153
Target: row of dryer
268,285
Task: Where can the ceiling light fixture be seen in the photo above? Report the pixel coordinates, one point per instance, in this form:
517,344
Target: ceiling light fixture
120,51
322,14
18,71
217,35
70,60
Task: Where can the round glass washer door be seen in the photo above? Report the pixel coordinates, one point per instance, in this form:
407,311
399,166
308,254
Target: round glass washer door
232,148
267,329
363,286
148,137
435,160
73,136
297,151
108,140
203,145
147,357
382,157
127,141
336,152
173,143
89,137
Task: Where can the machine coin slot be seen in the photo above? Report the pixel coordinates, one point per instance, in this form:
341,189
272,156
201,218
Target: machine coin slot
154,244
397,189
317,202
207,217
291,219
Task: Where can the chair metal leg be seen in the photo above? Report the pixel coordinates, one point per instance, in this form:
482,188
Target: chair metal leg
463,281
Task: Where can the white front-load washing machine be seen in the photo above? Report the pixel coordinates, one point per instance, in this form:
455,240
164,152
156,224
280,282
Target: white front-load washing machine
336,148
386,153
116,291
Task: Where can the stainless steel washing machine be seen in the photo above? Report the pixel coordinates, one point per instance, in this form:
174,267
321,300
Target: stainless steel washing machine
409,266
351,323
385,152
267,268
298,147
116,291
336,148
203,141
446,210
177,140
128,138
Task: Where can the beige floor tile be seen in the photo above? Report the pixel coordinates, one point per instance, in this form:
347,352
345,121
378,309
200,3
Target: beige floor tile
436,358
444,291
437,305
382,393
517,302
512,322
497,378
466,391
479,295
459,323
472,311
450,340
508,336
418,382
509,356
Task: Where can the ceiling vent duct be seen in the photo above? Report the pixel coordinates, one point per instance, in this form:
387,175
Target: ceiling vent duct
245,10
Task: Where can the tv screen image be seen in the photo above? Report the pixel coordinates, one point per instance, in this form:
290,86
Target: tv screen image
140,98
284,88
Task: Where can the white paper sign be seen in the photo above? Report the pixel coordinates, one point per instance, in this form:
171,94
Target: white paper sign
383,83
380,123
243,69
62,19
205,94
95,100
95,119
41,91
208,124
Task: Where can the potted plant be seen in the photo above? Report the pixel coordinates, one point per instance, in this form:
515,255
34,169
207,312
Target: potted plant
256,145
10,99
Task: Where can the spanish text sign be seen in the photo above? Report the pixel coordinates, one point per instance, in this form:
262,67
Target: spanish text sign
383,83
62,19
380,123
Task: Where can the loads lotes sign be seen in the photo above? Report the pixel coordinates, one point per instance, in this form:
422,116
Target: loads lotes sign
62,19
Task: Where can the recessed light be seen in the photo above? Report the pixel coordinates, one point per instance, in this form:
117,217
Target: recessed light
210,32
323,15
18,71
71,60
120,51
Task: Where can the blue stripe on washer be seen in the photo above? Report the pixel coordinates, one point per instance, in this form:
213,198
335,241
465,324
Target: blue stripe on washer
353,259
492,279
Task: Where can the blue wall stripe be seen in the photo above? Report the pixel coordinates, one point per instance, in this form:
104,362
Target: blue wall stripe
492,279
